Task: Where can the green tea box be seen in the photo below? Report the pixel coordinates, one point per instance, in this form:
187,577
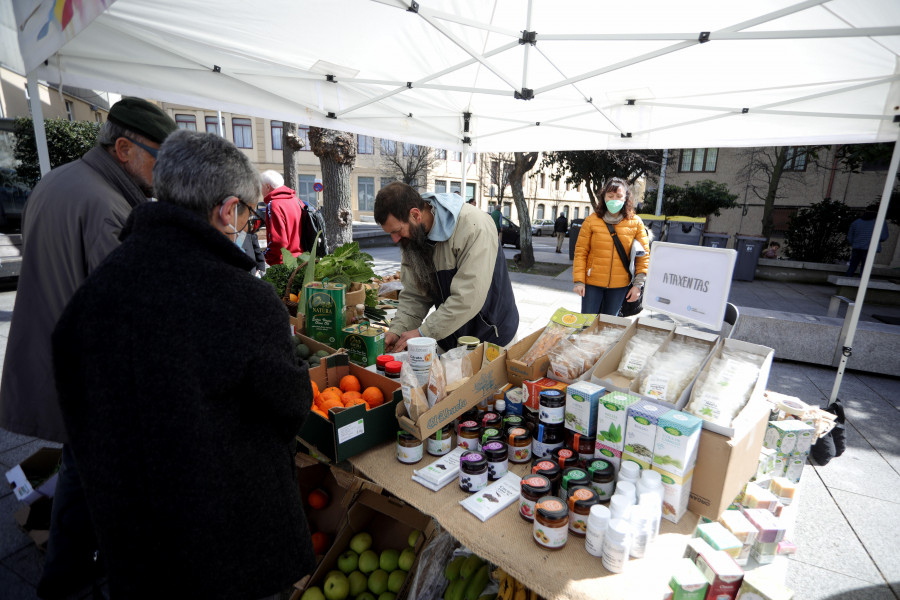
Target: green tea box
612,415
582,400
610,455
789,437
687,582
640,428
677,439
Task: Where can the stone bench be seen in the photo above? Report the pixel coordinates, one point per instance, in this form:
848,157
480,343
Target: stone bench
877,292
10,255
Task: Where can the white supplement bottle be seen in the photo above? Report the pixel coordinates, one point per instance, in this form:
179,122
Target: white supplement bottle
616,545
627,489
598,520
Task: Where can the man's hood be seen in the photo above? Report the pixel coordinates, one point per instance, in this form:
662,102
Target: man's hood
279,193
446,212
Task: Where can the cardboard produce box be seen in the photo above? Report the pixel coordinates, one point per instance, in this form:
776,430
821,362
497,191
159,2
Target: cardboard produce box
518,371
349,431
488,376
34,483
388,520
621,324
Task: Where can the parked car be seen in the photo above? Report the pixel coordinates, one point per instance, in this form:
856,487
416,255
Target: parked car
542,227
510,233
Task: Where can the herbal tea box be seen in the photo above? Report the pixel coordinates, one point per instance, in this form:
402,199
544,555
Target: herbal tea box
687,582
610,455
676,493
723,574
677,439
789,437
640,428
582,400
612,414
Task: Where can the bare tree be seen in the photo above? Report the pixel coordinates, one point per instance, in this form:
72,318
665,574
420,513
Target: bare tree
495,171
523,162
337,154
411,165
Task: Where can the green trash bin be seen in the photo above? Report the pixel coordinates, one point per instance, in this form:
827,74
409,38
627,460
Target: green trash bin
749,248
685,230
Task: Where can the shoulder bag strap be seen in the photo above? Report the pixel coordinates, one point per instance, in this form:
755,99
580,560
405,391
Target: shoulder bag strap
619,249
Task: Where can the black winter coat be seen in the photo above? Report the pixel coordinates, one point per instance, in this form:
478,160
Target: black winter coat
182,399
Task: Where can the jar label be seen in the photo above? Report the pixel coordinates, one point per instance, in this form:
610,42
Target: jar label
551,505
473,482
520,454
468,424
493,446
551,537
526,508
498,469
552,416
533,481
439,446
582,494
471,457
544,465
577,523
542,450
468,443
407,454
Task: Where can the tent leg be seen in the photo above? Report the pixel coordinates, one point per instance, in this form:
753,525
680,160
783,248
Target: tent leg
847,343
37,117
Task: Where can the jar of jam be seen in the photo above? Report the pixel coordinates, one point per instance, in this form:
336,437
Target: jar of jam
473,471
603,478
491,435
548,469
552,409
573,477
513,421
469,415
531,417
491,420
565,458
382,360
469,435
519,445
545,439
581,444
498,464
534,487
441,442
581,499
409,448
551,523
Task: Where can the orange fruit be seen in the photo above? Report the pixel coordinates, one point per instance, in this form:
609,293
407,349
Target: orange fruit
320,412
329,395
294,298
373,396
321,542
329,404
315,390
349,383
318,499
335,390
349,398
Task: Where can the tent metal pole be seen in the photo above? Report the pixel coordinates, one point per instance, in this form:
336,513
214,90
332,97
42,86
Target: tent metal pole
847,344
37,118
662,182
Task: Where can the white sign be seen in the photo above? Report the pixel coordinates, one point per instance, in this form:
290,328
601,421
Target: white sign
690,282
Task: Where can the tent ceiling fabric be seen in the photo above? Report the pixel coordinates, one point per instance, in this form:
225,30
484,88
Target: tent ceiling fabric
773,72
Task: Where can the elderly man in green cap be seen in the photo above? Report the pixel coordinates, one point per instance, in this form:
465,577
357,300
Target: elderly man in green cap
71,222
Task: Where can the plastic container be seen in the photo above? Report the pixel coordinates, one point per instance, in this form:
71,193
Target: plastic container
654,503
421,352
603,478
550,470
629,471
650,481
641,521
382,360
410,449
519,442
534,487
552,409
545,439
498,463
620,506
598,520
715,240
749,248
627,489
566,458
392,369
616,545
551,523
441,442
469,435
573,477
473,471
580,501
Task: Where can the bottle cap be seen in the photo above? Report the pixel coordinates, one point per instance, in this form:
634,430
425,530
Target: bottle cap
393,367
629,470
500,406
618,530
627,489
598,517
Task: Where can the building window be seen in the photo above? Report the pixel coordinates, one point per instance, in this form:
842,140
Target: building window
242,131
553,213
568,186
506,210
99,117
303,135
796,158
365,144
781,217
455,187
575,213
305,189
410,150
365,193
277,134
70,111
188,122
456,156
698,160
440,186
471,158
543,180
470,191
389,147
212,125
566,211
440,154
540,212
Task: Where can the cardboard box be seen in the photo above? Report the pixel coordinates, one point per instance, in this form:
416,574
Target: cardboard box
640,428
582,399
606,373
612,416
35,477
676,493
388,520
687,582
349,431
789,437
677,442
658,384
487,379
531,390
723,574
518,371
621,324
610,455
314,346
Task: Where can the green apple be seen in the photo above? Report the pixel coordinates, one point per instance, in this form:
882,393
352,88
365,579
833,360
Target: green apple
348,561
366,596
396,579
313,593
378,581
361,542
368,561
407,558
336,586
359,583
387,596
388,560
414,537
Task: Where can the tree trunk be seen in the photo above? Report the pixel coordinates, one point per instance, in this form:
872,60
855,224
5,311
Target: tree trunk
337,154
524,161
287,153
771,192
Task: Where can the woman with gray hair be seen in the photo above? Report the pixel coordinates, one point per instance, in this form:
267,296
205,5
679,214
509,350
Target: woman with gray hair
185,452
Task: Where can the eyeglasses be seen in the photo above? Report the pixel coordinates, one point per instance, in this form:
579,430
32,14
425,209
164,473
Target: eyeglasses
154,152
256,220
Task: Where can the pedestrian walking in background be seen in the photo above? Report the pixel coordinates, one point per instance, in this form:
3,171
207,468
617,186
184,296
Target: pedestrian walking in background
284,218
860,236
560,227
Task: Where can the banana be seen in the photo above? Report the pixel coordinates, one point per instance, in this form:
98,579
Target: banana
488,597
472,563
503,580
521,592
456,589
477,582
533,595
451,571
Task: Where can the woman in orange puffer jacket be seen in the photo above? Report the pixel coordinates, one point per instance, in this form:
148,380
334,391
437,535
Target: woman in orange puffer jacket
600,278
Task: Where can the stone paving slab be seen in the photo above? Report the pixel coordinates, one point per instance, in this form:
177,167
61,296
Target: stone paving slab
811,582
871,519
861,470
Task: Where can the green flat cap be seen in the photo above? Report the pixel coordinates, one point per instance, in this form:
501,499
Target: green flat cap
143,118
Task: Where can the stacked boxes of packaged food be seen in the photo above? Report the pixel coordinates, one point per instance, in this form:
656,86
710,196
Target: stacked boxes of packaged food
674,456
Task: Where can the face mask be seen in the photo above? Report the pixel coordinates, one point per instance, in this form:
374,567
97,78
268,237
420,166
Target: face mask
239,235
614,206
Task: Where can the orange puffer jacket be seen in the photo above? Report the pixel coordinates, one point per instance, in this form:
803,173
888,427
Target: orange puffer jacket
596,261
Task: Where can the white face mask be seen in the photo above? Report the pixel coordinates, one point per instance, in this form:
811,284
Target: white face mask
239,235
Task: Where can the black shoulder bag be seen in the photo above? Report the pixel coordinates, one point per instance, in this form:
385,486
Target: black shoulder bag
629,309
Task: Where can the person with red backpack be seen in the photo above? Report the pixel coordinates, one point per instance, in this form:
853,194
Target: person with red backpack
284,218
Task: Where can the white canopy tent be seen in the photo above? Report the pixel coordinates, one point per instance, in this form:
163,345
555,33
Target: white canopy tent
499,75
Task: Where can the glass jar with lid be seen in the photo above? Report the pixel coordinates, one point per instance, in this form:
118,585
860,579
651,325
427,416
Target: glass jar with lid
582,445
491,420
498,463
491,435
519,445
440,442
552,409
473,471
580,501
603,478
549,469
565,458
545,439
469,435
409,448
533,487
551,523
571,478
